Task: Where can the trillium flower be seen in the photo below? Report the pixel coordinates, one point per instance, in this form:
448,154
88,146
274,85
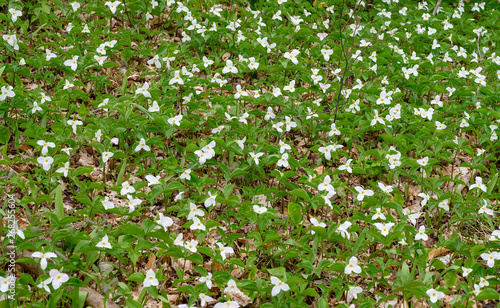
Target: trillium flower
46,162
326,184
74,123
292,56
333,131
11,40
142,145
376,118
278,286
255,157
483,282
58,278
186,175
342,229
101,59
386,189
15,14
143,90
150,279
15,231
224,250
194,211
207,62
43,256
413,217
72,63
352,266
178,240
466,271
164,221
127,188
241,143
204,299
479,184
104,243
231,287
64,169
283,161
153,180
43,285
363,192
49,55
316,223
347,166
378,214
45,145
354,291
228,304
207,280
290,87
326,54
218,129
75,6
259,209
444,205
175,120
485,209
106,156
490,258
240,92
191,245
384,228
289,124
86,29
154,107
197,225
107,204
155,60
253,64
434,295
132,202
229,68
423,161
177,79
421,234
425,198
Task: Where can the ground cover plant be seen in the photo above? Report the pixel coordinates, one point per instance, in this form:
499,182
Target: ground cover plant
249,153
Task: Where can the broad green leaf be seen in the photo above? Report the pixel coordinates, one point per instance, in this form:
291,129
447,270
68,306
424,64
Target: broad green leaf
295,212
487,294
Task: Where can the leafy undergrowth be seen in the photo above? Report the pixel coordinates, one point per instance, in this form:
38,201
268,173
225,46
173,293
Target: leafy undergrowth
262,154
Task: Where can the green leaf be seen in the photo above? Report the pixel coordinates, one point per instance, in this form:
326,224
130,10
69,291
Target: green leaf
59,205
142,109
450,279
4,134
492,184
278,272
83,170
119,180
405,273
301,193
176,185
310,292
295,212
489,293
139,277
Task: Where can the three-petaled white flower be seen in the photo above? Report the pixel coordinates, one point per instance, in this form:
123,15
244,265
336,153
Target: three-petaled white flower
363,192
352,266
278,286
479,184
